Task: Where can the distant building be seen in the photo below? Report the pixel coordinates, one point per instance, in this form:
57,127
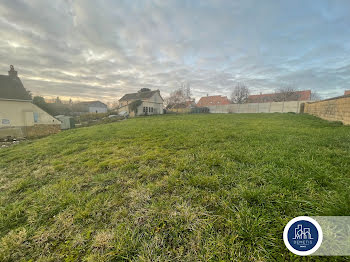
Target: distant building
67,122
144,102
19,117
347,92
206,101
276,97
90,107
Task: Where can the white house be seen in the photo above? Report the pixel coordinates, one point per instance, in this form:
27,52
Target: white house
19,117
144,102
91,107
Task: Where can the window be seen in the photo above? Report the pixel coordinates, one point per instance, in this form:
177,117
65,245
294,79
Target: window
5,121
144,109
36,117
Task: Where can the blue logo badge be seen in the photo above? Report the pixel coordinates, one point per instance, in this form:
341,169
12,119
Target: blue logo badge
302,236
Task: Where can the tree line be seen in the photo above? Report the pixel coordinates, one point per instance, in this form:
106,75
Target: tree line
58,107
239,95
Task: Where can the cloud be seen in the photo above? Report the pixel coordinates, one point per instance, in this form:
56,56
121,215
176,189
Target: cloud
103,49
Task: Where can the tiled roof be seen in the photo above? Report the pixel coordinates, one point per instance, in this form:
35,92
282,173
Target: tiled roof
12,88
138,96
212,101
265,98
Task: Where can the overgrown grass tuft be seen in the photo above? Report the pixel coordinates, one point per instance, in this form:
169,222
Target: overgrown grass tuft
172,188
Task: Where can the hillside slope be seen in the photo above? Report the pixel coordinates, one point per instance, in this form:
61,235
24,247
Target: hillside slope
175,188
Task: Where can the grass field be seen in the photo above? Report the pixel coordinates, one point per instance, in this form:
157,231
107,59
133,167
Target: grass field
172,188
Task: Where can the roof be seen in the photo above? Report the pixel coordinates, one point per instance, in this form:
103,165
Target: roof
265,98
138,96
11,88
92,103
213,101
329,99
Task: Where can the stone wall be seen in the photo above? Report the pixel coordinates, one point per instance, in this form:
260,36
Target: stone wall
336,109
14,132
29,131
41,130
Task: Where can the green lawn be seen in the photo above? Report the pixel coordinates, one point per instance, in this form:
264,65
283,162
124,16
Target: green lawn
172,188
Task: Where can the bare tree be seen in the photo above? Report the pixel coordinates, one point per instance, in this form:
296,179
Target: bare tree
186,90
179,97
58,100
240,94
315,96
287,93
113,104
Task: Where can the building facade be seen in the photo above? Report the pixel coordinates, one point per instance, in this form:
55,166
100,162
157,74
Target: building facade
19,117
142,103
96,107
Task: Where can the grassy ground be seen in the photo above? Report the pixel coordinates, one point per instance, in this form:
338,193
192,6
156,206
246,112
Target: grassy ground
172,188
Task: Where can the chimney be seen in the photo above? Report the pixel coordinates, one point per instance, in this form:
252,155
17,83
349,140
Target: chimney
12,72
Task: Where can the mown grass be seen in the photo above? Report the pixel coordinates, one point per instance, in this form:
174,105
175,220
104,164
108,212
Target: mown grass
172,188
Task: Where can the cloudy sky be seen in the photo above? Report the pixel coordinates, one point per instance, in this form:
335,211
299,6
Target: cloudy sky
102,49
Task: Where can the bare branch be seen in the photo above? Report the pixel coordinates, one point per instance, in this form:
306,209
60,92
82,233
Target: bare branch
287,93
240,94
179,97
315,96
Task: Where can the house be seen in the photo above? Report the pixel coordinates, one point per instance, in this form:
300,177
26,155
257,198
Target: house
144,102
206,101
347,92
278,97
19,117
90,107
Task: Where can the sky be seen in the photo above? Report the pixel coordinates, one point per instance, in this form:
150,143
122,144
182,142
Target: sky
100,50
